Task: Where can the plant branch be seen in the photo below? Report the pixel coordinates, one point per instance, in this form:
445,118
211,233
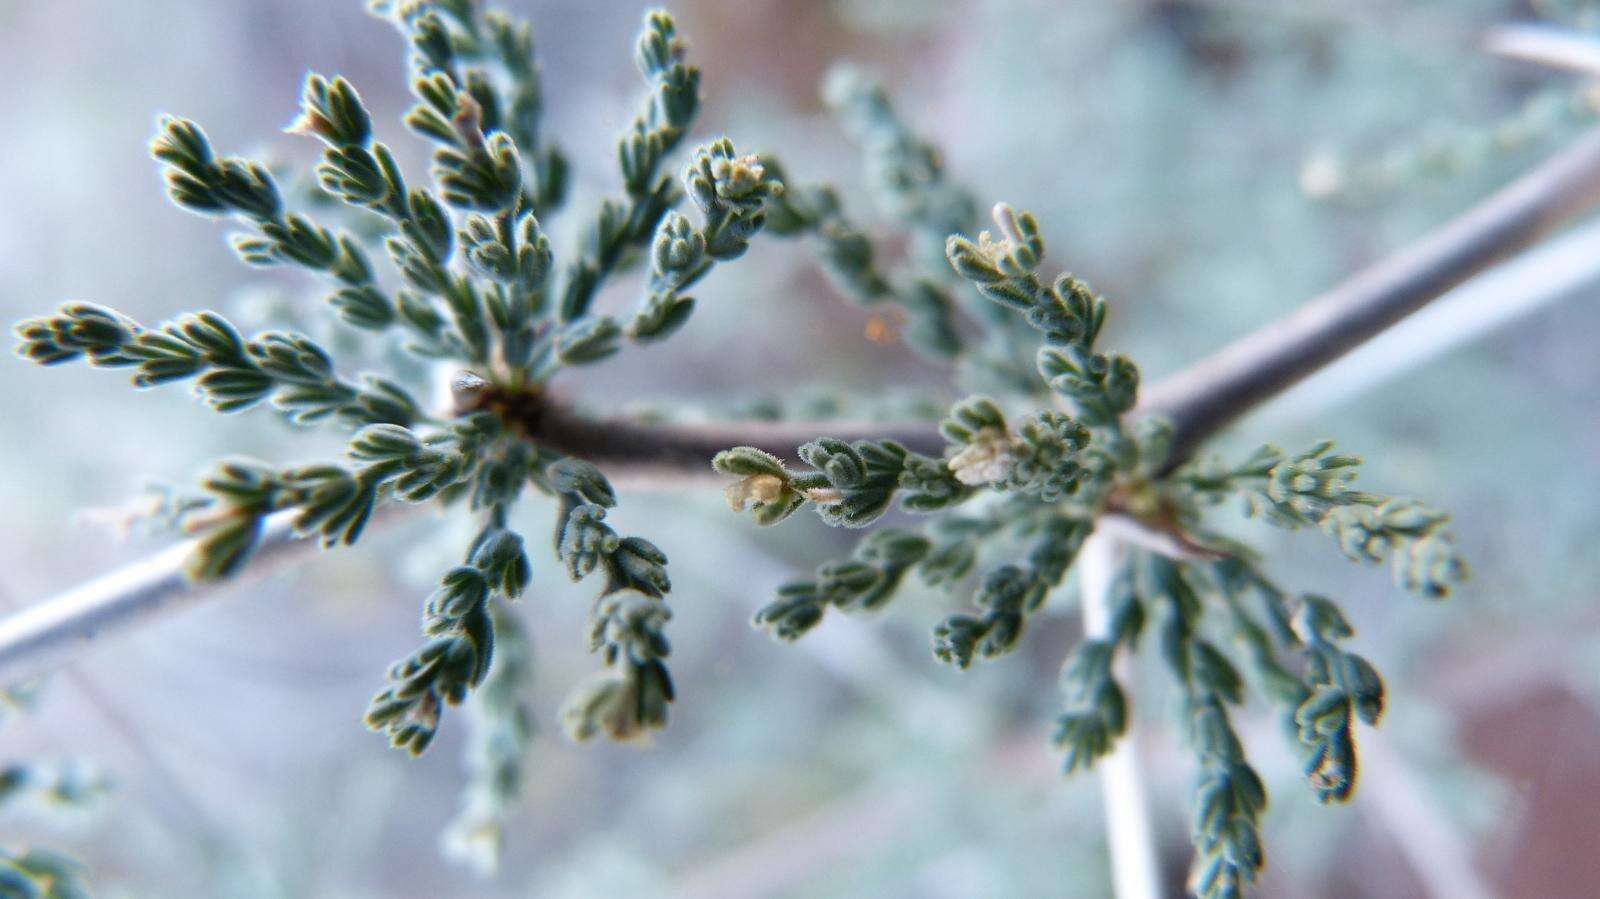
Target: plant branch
1557,270
1135,866
1543,45
687,449
1199,400
1213,393
55,631
1439,853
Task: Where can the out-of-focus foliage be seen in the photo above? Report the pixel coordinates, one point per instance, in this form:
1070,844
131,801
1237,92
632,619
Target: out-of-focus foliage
36,872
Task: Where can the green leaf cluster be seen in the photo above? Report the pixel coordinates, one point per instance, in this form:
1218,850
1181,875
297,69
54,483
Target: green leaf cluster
1027,475
474,292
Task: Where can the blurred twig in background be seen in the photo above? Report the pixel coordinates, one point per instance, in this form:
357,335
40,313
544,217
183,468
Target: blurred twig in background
1546,46
1436,849
1218,390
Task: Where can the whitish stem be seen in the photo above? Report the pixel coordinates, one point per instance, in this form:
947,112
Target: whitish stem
1559,48
1135,868
57,630
1439,853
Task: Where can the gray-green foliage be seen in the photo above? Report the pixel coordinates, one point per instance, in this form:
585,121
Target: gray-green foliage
1023,498
477,285
905,175
1314,488
1446,150
1029,464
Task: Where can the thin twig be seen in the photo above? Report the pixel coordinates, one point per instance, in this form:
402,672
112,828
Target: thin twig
1135,866
681,449
1208,396
1199,400
51,633
1557,48
1439,853
1556,270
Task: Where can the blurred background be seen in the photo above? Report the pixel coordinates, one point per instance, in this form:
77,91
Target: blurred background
1208,165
